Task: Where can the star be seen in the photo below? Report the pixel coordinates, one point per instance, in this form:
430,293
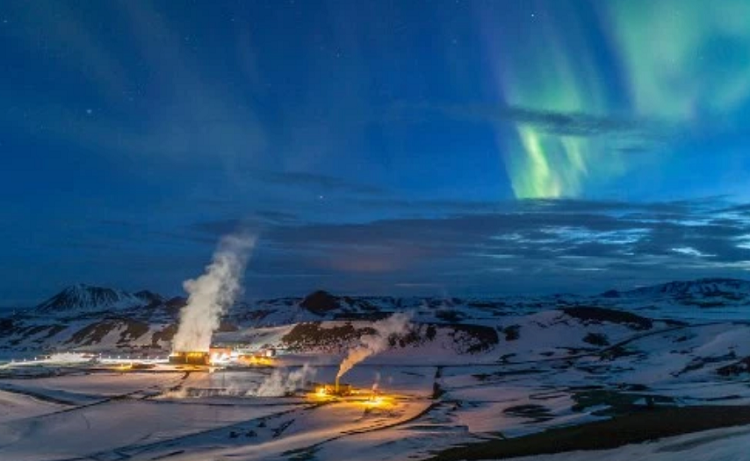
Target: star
89,111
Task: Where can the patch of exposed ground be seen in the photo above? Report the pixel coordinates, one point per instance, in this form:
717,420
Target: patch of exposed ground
636,427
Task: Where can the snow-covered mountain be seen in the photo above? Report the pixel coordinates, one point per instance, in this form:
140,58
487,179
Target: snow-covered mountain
107,318
86,298
467,371
707,287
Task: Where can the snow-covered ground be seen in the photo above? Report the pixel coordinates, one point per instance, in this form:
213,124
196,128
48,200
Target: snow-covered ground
467,372
19,406
99,415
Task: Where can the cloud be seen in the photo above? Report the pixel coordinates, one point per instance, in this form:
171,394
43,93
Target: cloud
535,245
626,134
689,251
632,135
451,246
432,247
579,123
318,182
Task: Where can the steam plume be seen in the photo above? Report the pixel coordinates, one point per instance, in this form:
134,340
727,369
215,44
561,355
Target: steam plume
212,293
279,384
396,324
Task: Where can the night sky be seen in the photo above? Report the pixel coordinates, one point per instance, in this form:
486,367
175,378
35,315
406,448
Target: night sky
447,148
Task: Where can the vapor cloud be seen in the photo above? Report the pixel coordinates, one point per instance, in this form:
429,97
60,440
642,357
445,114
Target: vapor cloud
212,293
280,383
397,324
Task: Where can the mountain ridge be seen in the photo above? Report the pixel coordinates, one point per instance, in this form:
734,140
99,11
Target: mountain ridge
90,298
83,297
87,315
702,286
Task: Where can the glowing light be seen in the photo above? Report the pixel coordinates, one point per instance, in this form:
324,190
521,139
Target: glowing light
256,360
377,401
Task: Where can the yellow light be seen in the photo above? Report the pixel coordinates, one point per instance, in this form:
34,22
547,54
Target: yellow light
375,401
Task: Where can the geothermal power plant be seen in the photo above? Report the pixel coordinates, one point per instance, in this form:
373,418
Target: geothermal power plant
211,294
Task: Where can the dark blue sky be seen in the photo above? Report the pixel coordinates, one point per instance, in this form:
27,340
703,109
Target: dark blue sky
442,147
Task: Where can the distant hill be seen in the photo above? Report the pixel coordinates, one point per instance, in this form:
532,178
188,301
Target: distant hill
87,298
707,292
108,318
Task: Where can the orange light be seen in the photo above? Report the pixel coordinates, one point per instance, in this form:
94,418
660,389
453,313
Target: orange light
376,401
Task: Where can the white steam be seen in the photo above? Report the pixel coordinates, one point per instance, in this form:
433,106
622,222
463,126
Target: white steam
212,293
279,384
397,324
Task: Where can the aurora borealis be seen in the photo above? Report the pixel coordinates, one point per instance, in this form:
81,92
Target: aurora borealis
679,63
378,146
553,69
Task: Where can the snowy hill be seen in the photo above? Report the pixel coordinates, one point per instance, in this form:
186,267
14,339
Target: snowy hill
113,319
465,371
708,287
86,298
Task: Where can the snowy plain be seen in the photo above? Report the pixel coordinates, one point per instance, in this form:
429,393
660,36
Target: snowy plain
496,372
